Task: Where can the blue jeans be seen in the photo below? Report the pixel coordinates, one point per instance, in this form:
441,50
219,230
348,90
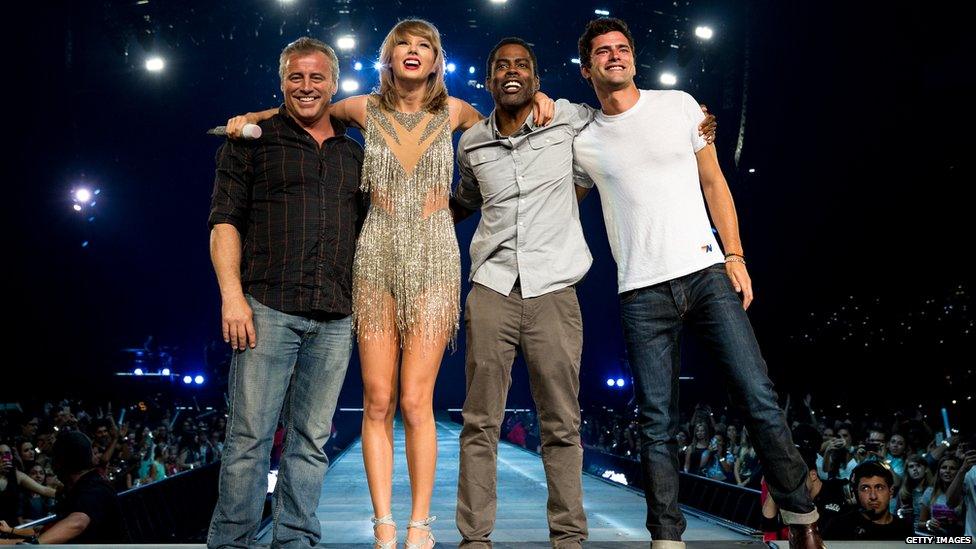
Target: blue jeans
296,370
653,319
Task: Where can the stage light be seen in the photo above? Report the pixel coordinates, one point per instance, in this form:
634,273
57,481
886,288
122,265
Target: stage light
357,66
378,66
138,371
602,12
77,207
575,61
451,67
84,244
610,382
187,379
198,380
703,32
349,85
752,170
82,195
620,382
668,79
498,1
471,69
155,64
165,371
346,42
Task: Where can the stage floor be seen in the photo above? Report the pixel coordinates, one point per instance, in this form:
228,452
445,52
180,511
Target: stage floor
615,514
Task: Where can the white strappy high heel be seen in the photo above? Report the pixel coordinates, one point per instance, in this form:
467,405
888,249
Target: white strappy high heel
377,542
421,525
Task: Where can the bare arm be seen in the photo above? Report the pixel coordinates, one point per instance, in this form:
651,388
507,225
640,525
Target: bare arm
65,529
722,209
351,110
581,192
24,481
954,491
8,530
237,317
114,432
463,115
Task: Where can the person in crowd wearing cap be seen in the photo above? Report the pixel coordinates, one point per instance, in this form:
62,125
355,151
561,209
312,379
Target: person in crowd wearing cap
89,512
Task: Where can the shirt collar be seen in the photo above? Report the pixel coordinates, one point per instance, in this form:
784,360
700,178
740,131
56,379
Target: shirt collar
337,125
527,127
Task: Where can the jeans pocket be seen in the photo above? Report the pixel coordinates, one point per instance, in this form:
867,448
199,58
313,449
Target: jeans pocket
628,297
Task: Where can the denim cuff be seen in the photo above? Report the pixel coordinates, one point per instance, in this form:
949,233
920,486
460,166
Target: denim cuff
667,544
799,518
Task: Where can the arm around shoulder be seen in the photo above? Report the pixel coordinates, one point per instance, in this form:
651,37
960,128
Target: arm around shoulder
463,114
351,110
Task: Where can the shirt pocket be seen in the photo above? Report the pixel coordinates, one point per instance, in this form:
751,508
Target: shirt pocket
488,166
552,153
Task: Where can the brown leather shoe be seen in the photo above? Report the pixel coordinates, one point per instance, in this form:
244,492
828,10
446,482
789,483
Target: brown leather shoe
805,536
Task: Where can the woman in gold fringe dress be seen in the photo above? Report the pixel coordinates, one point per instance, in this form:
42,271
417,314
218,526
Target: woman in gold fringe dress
406,272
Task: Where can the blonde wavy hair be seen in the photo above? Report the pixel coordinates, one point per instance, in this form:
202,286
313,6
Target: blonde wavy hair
435,98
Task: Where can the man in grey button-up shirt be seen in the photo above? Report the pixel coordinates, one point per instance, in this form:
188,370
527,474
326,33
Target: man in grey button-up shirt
526,256
523,183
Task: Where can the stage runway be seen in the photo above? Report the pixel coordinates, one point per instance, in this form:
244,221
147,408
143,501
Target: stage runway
615,514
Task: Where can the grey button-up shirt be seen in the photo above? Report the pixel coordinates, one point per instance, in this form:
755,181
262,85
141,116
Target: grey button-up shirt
523,184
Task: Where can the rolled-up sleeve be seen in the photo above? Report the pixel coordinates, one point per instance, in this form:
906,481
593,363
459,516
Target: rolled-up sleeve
580,177
468,193
232,186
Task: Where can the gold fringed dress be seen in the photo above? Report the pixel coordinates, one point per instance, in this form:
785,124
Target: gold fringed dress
407,270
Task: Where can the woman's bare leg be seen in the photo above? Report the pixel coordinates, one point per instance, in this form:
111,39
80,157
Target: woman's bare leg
379,354
421,362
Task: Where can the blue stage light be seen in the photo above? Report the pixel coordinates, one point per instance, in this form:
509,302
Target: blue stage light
198,380
620,382
451,67
187,379
137,371
609,382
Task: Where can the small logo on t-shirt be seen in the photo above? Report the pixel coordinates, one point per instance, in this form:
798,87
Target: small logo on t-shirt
707,248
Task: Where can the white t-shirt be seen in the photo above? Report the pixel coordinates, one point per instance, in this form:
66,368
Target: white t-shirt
643,163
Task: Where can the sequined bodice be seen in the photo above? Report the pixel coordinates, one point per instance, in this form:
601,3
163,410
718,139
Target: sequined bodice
409,162
406,274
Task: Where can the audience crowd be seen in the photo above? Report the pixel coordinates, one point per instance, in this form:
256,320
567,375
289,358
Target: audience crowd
130,445
880,477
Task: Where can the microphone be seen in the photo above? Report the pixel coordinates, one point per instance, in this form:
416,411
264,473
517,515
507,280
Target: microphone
250,131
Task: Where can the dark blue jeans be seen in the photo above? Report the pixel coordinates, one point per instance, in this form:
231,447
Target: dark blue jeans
653,320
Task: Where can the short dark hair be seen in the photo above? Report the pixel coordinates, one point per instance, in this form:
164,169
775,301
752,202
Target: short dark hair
870,469
597,27
504,42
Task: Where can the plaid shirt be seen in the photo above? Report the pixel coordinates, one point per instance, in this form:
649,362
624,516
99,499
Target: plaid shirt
298,209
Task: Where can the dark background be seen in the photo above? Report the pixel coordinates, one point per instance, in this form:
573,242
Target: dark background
854,116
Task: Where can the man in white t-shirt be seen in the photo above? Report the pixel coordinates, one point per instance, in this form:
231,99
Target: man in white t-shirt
644,153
